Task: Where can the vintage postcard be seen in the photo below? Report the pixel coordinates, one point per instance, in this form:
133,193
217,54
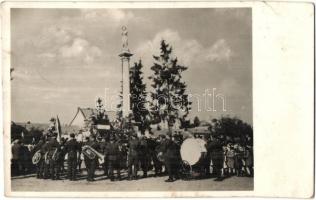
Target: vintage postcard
147,99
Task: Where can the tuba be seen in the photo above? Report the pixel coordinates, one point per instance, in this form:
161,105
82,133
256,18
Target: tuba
36,157
91,153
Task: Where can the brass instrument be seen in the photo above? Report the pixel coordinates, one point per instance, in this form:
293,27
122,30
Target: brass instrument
36,157
91,153
55,155
46,158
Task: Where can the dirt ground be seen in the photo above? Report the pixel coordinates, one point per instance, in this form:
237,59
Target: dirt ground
31,184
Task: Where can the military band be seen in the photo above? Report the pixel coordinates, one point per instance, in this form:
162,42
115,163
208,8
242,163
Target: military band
135,155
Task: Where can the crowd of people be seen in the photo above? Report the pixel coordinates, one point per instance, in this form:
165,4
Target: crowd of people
115,153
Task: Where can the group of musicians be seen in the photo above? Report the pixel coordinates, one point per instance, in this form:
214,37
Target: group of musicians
119,152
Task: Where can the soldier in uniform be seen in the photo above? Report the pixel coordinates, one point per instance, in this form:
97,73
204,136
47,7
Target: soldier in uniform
103,145
172,159
53,156
215,149
85,158
38,147
152,145
112,153
144,155
72,148
45,164
133,160
92,163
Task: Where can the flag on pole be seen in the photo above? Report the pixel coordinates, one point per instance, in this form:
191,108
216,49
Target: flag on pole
58,129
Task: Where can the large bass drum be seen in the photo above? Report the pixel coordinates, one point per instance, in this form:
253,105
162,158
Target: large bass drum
193,150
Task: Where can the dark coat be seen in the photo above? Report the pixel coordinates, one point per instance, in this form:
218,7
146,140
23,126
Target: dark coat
143,148
16,151
172,151
112,151
72,147
133,147
52,145
215,149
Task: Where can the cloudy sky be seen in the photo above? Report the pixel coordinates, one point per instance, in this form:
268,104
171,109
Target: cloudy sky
65,58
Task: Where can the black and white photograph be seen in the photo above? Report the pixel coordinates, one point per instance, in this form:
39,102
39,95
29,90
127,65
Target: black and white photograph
131,99
157,99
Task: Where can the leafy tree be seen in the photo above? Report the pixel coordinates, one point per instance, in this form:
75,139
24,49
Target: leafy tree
138,97
196,121
170,101
231,127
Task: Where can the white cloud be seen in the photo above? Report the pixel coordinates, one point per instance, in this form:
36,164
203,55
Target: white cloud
80,48
75,49
47,55
220,51
57,35
112,15
189,51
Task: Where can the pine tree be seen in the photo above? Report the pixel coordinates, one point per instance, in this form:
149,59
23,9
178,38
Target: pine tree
138,97
170,101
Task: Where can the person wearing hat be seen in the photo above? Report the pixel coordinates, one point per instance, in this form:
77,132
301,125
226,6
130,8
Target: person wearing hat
112,152
103,144
133,159
92,163
152,145
144,155
72,148
172,158
38,147
44,168
53,148
215,149
16,164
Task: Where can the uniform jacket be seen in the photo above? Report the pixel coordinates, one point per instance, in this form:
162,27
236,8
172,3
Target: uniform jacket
143,147
133,147
72,147
172,150
16,151
112,151
215,149
52,145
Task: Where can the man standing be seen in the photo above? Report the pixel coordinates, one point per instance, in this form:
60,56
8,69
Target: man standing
112,152
53,156
92,163
215,149
72,148
144,155
16,166
103,145
38,147
133,145
45,164
172,159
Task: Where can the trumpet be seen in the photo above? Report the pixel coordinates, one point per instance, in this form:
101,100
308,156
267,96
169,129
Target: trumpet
91,153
